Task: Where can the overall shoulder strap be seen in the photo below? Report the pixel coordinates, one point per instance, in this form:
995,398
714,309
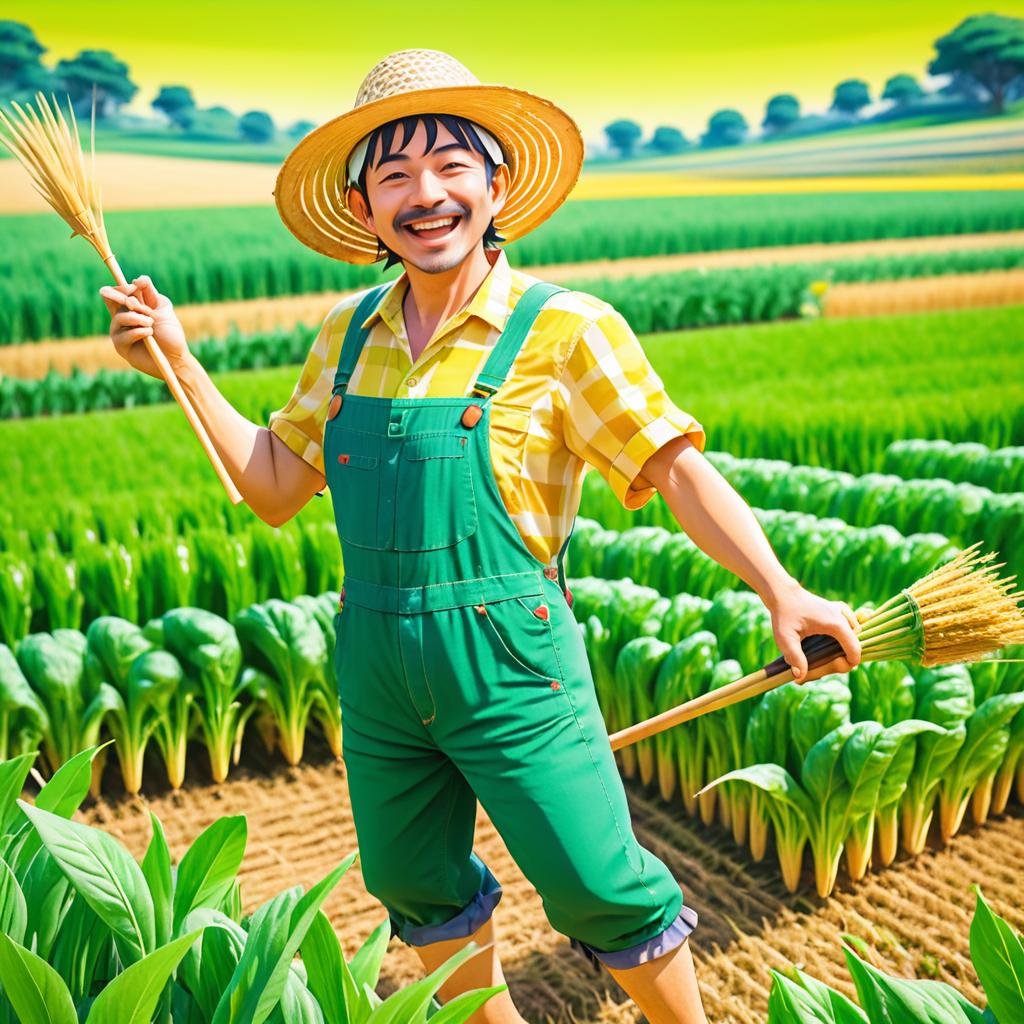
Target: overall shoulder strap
511,339
355,336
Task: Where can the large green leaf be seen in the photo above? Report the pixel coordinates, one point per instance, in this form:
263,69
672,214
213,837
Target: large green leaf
410,1003
276,931
899,1001
998,956
156,869
209,866
34,988
104,874
788,1003
13,774
210,963
132,996
325,969
13,911
69,785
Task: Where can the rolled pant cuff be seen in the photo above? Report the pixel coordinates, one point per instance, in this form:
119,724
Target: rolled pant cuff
645,951
463,924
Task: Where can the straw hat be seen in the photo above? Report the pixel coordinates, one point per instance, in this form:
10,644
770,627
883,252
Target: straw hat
542,144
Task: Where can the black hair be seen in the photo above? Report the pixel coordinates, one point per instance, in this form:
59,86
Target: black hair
462,130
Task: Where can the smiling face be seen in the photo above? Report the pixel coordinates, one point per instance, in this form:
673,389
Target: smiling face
430,208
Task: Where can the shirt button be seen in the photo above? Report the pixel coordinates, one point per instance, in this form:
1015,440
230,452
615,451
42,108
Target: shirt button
411,382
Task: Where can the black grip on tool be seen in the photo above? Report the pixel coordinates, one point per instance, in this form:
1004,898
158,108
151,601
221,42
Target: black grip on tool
818,648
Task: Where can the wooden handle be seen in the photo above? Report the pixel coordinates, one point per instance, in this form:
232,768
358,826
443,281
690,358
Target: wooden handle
171,379
749,686
819,648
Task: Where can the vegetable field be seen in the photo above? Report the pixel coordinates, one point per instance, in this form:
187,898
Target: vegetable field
168,707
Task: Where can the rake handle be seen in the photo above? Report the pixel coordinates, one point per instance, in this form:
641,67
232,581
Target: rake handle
171,379
819,649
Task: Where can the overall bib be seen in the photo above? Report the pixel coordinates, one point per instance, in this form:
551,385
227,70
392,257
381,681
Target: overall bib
462,674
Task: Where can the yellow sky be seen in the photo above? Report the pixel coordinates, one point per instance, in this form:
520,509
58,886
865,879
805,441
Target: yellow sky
655,61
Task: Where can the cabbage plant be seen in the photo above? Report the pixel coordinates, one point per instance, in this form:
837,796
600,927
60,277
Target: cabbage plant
207,647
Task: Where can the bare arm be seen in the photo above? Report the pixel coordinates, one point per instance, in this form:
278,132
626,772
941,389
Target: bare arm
724,527
273,480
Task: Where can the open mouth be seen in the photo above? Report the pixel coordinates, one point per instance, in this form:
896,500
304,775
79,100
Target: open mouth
436,228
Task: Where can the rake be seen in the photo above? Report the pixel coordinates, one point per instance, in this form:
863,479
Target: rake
52,154
958,612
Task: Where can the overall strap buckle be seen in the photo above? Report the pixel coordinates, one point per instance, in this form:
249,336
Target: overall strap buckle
511,339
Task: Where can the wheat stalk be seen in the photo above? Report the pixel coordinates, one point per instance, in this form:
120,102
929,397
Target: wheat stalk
959,612
52,154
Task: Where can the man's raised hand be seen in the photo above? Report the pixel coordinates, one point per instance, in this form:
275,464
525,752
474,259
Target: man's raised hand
137,310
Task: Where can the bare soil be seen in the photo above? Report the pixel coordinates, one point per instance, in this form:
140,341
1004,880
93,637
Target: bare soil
915,914
31,360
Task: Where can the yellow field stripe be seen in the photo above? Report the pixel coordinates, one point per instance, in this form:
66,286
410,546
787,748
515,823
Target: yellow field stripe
639,184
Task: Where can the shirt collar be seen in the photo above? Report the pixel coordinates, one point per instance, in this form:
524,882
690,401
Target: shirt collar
490,302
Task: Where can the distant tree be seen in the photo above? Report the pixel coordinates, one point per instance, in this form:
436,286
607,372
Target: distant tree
726,127
177,103
19,52
256,126
300,129
214,122
988,48
902,89
963,86
850,96
623,135
667,140
102,69
782,111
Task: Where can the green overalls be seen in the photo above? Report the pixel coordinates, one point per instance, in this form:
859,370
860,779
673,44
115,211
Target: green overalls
462,674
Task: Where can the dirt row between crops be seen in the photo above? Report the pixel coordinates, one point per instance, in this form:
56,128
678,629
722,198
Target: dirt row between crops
32,359
915,914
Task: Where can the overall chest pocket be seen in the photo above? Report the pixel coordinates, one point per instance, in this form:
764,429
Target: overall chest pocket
355,479
436,505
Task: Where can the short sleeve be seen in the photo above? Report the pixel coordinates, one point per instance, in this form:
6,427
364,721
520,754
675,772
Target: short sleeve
300,422
616,412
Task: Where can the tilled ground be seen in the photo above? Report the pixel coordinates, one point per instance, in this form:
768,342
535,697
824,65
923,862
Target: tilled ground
915,914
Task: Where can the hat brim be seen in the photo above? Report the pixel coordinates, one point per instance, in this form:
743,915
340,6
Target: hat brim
543,148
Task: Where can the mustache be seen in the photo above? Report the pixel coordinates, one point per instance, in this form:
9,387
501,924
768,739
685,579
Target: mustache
453,210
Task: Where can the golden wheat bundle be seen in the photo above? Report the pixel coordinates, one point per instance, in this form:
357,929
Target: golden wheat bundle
50,151
959,612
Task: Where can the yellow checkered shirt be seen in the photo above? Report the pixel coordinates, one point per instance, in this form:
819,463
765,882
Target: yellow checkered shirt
580,394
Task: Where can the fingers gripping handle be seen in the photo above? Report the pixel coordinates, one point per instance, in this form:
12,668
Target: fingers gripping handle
818,648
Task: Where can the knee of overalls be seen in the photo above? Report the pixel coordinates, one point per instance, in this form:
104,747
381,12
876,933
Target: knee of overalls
644,951
421,911
622,914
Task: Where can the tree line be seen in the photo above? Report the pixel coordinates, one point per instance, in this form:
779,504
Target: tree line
983,57
22,74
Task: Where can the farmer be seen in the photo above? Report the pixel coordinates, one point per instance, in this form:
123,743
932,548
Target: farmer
452,414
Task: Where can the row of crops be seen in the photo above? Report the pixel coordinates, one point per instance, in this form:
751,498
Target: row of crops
963,512
212,255
188,675
91,935
655,302
842,391
824,765
832,766
1000,469
65,574
63,565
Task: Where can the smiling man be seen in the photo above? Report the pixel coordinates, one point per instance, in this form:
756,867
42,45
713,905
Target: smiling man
453,414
